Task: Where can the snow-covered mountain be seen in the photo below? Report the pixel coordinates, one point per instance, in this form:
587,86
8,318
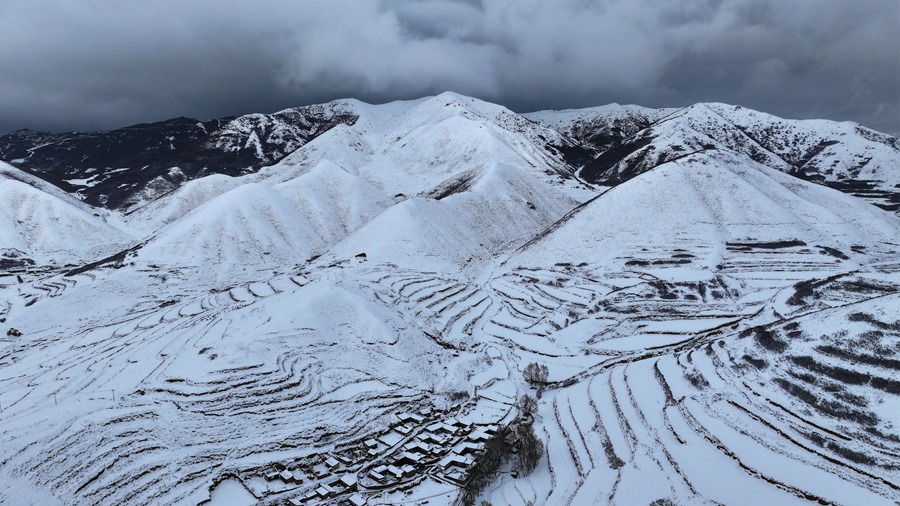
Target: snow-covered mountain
335,304
630,140
123,168
40,225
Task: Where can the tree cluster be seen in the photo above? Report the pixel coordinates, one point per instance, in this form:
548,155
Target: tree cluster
496,451
530,449
521,445
536,375
527,406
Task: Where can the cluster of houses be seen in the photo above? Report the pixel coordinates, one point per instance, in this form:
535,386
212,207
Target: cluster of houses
346,485
447,448
330,482
417,445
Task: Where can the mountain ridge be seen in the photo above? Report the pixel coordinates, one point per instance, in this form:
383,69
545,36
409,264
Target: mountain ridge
592,140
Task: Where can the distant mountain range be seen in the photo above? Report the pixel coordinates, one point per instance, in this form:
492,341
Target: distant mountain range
609,145
348,293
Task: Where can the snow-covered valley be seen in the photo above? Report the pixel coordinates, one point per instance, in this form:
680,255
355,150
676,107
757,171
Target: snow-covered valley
715,296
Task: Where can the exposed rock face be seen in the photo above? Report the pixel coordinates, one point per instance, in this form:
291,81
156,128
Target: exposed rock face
120,168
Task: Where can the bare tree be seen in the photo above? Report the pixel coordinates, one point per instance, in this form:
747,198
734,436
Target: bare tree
527,405
536,375
530,449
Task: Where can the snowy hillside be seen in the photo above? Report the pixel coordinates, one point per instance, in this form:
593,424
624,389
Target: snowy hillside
344,311
712,202
40,226
480,217
629,140
124,168
600,127
259,226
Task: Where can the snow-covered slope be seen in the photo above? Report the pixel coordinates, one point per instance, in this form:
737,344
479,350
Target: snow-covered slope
341,145
600,127
256,226
350,315
432,142
705,202
630,140
38,227
128,167
478,217
437,148
193,194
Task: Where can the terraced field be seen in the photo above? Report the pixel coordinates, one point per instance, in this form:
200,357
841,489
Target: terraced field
714,389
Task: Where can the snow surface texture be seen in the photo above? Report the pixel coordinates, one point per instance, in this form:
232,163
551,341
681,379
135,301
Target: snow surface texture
352,321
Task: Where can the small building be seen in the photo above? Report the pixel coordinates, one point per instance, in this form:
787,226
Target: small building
456,475
349,482
410,417
390,439
437,439
467,448
456,460
357,500
271,475
458,424
478,435
371,443
332,462
412,458
396,471
376,475
417,446
441,428
286,476
296,501
407,470
403,429
325,491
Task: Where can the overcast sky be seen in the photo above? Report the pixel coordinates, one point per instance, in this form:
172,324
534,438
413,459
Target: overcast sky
99,64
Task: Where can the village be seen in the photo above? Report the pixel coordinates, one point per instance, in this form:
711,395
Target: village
418,445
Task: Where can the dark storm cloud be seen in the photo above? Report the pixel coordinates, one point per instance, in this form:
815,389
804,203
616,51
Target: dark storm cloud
106,63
